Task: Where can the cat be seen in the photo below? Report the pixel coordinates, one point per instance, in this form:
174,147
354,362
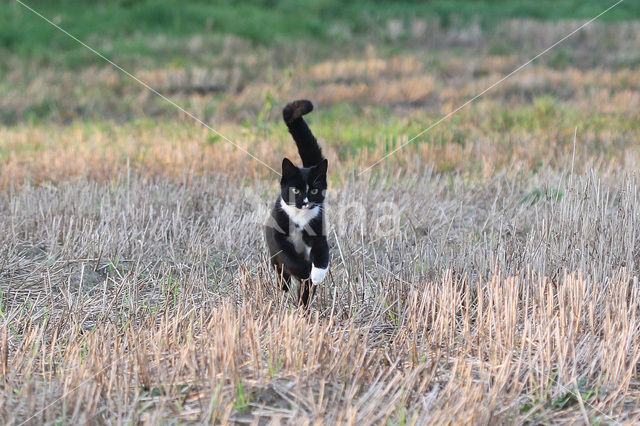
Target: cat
295,231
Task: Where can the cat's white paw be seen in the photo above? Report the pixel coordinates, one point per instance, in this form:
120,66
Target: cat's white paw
318,274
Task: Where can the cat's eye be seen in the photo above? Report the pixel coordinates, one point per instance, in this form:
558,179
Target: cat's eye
296,191
314,191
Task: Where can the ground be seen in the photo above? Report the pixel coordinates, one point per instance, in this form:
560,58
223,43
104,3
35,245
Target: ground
485,272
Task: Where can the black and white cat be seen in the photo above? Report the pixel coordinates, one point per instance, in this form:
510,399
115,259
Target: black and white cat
295,231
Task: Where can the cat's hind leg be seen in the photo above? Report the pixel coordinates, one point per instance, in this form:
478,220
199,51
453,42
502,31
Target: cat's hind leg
283,277
306,292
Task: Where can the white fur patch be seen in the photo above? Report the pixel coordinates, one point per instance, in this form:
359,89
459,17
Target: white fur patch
318,274
295,237
299,216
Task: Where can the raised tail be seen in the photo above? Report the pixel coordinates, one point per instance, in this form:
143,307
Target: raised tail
308,147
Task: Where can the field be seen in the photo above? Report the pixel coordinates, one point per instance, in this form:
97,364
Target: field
484,273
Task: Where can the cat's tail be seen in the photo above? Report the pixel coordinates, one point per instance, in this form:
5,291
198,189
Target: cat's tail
307,144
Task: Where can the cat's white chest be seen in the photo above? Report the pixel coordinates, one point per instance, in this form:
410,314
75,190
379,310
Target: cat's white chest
300,217
295,237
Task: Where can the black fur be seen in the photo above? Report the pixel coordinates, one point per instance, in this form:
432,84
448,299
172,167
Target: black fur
297,184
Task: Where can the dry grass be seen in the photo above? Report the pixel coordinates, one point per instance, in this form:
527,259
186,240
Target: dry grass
485,274
138,301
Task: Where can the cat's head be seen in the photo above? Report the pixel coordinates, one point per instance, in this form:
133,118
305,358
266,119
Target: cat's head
303,188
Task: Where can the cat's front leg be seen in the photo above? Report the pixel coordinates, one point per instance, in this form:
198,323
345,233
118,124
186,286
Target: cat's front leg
319,259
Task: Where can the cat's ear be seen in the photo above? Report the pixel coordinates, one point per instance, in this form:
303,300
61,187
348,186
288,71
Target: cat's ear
321,168
288,168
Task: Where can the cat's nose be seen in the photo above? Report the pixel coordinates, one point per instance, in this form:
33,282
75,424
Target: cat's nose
306,200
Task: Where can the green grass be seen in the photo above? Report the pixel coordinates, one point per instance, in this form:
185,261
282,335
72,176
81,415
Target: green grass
133,27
